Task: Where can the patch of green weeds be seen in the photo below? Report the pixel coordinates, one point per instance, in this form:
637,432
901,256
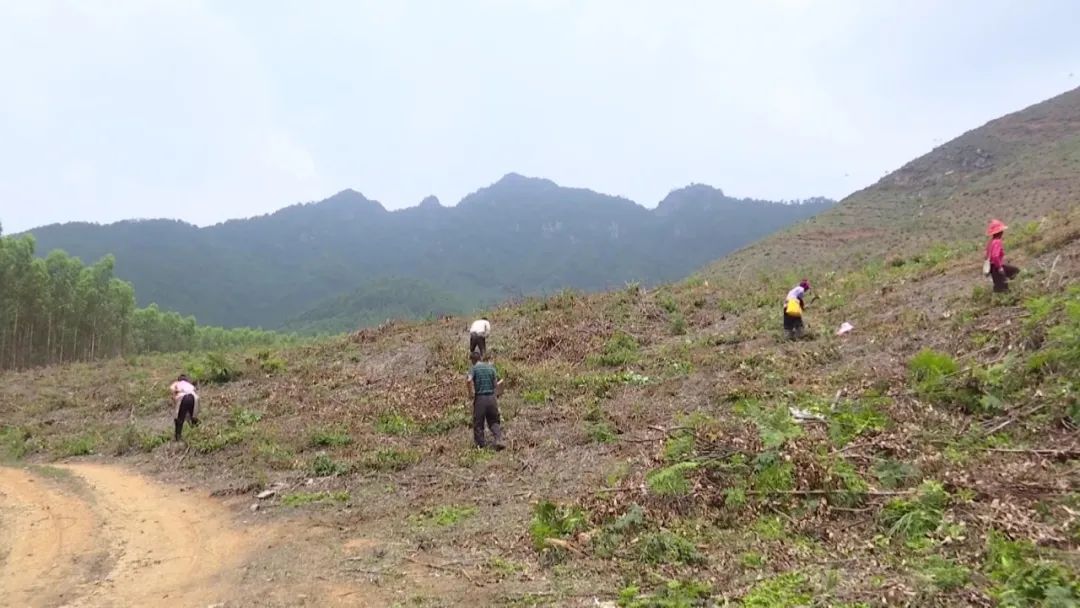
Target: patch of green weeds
268,363
473,456
390,459
1022,579
324,466
212,368
622,349
601,385
617,474
677,324
665,547
752,560
671,480
774,424
535,396
772,473
913,519
785,591
851,487
601,432
893,474
133,438
504,568
554,521
679,447
943,573
15,443
937,378
276,455
852,419
80,445
297,499
454,418
393,423
329,437
673,594
770,527
206,438
615,533
447,515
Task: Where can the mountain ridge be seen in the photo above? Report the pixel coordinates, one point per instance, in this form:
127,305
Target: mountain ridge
269,269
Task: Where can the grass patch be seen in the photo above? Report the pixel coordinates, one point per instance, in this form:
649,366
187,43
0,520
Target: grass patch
784,591
212,368
393,423
81,445
673,594
601,432
298,499
622,349
943,573
390,459
668,548
534,397
15,443
554,521
851,420
916,518
454,418
329,437
447,515
671,481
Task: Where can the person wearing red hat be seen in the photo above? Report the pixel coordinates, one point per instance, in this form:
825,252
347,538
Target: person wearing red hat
1000,272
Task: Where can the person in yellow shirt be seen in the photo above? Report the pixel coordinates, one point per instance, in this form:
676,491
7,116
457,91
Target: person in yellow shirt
793,310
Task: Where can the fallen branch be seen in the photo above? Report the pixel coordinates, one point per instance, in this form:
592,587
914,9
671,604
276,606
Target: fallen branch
827,492
445,568
562,544
1068,453
1014,418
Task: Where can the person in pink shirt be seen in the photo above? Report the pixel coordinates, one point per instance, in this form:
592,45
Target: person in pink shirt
1000,272
186,400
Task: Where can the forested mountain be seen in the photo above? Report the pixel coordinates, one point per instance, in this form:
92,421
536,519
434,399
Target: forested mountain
518,236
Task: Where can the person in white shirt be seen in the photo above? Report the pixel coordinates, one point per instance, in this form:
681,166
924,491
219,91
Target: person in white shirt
478,333
186,400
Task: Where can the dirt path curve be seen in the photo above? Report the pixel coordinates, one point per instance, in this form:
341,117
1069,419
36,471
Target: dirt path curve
89,536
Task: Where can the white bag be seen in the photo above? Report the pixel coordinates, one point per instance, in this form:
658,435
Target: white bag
986,266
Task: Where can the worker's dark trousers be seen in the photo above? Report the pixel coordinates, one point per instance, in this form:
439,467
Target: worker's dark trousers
1002,275
793,326
477,342
486,409
187,412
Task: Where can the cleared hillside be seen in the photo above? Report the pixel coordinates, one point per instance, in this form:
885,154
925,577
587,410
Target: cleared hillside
1019,167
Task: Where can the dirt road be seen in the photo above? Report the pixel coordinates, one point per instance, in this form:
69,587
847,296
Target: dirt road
88,535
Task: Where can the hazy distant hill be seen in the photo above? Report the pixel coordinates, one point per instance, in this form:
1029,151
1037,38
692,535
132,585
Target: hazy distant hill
1022,166
518,236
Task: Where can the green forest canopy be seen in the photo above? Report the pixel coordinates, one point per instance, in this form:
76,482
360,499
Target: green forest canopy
56,310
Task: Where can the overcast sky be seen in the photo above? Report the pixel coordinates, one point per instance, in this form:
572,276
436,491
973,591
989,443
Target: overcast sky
212,110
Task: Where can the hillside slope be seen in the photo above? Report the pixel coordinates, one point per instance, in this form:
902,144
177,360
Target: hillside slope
1019,167
518,236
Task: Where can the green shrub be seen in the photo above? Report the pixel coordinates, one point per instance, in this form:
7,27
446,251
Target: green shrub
671,481
774,424
851,487
772,473
324,466
213,368
1023,580
328,437
679,448
554,521
269,364
678,324
447,515
14,442
667,548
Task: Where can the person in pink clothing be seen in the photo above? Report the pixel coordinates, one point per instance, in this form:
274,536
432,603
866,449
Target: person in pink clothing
1000,272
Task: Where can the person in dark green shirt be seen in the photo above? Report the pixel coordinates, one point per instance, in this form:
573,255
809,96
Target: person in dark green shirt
484,384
